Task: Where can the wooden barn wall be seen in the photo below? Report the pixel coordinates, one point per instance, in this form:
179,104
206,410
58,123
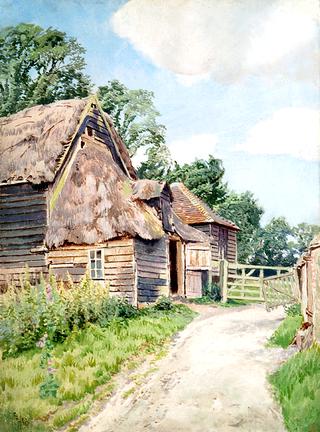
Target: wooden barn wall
23,219
232,246
152,269
119,266
165,202
120,269
69,260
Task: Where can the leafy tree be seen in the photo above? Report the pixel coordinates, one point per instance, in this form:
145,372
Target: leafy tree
157,163
134,116
39,66
276,247
244,210
203,178
303,234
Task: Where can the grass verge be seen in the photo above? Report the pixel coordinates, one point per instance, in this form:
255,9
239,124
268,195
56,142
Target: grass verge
84,362
297,389
286,331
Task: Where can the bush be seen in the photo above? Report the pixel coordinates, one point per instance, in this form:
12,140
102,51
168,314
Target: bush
164,303
293,310
29,313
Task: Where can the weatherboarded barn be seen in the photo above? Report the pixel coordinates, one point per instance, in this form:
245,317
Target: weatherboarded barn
308,270
193,211
187,249
71,203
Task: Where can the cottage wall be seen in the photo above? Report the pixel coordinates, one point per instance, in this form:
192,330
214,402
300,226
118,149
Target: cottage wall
118,259
23,218
152,268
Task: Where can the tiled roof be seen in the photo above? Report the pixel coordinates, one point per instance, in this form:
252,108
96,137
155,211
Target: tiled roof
192,210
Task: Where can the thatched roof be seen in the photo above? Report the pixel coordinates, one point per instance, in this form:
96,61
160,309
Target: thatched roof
192,210
35,141
148,189
101,194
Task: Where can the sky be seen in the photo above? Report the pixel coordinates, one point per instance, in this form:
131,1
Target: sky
235,79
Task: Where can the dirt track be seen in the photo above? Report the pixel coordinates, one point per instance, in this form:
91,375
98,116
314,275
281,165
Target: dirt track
213,379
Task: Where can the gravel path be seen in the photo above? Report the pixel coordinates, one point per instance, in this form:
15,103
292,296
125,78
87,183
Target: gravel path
212,380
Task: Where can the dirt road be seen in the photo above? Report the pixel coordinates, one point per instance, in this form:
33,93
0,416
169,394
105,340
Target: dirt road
212,380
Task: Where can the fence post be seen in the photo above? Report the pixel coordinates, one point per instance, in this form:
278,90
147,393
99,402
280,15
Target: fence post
224,279
261,277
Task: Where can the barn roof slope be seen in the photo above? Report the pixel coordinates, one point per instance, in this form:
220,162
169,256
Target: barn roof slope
35,141
192,210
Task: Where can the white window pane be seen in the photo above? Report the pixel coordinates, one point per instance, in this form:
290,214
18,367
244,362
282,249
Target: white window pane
98,254
99,274
92,254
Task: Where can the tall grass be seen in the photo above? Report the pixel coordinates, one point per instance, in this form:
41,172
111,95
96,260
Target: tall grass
286,331
85,360
297,386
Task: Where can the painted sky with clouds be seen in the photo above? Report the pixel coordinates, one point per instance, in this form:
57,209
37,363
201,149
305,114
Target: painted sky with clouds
239,80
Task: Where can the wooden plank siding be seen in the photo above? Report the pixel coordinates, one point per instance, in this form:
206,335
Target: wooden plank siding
119,265
198,268
152,269
23,219
120,269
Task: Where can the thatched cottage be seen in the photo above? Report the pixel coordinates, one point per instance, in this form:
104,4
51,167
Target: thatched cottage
71,202
194,212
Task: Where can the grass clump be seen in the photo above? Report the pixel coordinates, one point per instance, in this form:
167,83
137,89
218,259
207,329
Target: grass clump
85,360
286,331
297,388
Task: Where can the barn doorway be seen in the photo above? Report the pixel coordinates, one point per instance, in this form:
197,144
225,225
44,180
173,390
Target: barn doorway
176,267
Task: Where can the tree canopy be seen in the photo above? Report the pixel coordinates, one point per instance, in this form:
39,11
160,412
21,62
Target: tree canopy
39,66
134,115
203,177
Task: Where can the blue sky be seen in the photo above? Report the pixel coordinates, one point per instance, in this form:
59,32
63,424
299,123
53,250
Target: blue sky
238,80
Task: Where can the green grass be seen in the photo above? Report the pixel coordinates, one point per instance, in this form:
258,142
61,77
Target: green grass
230,303
286,331
84,362
297,387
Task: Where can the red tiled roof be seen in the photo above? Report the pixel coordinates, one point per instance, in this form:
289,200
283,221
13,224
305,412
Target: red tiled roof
192,210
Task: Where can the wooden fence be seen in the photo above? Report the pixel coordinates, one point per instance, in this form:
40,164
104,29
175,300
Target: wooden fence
281,289
247,282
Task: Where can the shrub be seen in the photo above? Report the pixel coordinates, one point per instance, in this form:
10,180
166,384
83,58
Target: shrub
293,310
163,304
31,312
213,292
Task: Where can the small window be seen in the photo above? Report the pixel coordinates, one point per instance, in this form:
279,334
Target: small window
96,264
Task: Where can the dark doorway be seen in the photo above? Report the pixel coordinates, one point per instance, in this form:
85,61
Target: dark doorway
173,267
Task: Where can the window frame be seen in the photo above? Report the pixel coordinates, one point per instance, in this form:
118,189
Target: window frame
93,257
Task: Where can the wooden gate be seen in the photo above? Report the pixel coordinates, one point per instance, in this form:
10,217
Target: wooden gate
280,290
247,282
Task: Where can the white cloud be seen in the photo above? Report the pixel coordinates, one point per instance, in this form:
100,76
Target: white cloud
226,39
290,131
193,147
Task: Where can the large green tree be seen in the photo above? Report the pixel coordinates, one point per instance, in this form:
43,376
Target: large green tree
134,115
244,210
39,66
276,246
203,177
